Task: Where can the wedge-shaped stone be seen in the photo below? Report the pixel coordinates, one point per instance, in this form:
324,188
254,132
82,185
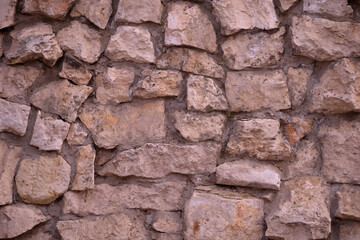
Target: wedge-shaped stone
337,8
169,222
77,134
49,8
297,129
75,71
298,79
37,233
348,198
349,231
7,13
84,176
13,117
287,4
138,11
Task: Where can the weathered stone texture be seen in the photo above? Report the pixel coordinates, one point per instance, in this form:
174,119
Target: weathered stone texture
138,11
348,199
75,71
7,13
297,129
298,79
287,4
169,222
97,11
49,8
336,8
77,134
349,231
84,176
37,233
1,43
13,117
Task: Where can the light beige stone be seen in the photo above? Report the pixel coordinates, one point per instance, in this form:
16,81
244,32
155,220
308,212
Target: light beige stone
297,129
13,117
77,134
168,222
131,44
42,180
287,4
260,138
7,13
255,50
49,8
234,15
188,25
75,71
336,8
298,79
138,11
348,197
84,176
253,91
349,231
301,210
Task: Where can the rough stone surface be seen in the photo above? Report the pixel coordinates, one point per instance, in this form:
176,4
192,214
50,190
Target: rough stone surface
37,233
169,222
298,79
323,40
252,91
36,42
131,44
13,117
124,125
81,41
138,11
65,101
247,173
287,4
188,25
301,210
297,129
77,134
234,15
7,13
349,231
105,199
75,71
84,176
42,180
259,138
158,160
166,236
348,207
49,8
1,43
336,8
254,50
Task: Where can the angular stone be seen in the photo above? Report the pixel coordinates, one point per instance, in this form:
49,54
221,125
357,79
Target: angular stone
348,198
252,91
13,117
169,222
196,127
49,133
36,42
105,199
247,173
37,233
75,71
131,44
297,129
77,134
113,84
301,210
349,231
81,41
218,216
260,138
7,13
97,11
125,125
158,83
138,11
324,40
159,160
9,158
205,95
19,218
298,79
336,8
65,101
42,180
192,61
166,236
287,4
234,15
255,50
49,8
188,25
84,176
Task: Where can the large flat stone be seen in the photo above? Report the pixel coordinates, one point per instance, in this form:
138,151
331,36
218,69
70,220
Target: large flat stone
7,13
84,176
338,8
13,117
139,11
49,8
348,198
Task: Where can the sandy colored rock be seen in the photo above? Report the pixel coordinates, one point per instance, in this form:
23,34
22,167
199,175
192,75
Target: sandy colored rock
205,95
105,199
81,41
252,91
7,13
36,42
158,83
42,180
336,8
166,236
65,101
125,125
246,173
349,231
131,44
324,40
169,222
196,127
77,134
75,71
37,233
260,138
298,79
348,197
297,129
301,210
19,218
13,117
138,11
234,15
255,50
49,8
188,25
84,176
159,160
287,4
113,84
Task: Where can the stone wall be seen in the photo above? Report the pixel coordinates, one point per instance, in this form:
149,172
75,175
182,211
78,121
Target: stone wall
169,120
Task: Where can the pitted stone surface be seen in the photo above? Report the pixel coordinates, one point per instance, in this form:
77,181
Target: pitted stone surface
347,198
13,117
339,8
84,176
298,79
138,11
49,8
75,71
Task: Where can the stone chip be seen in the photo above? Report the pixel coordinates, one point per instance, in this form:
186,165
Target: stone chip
75,71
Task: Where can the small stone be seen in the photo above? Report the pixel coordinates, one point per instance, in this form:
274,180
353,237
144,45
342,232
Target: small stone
348,198
81,41
36,42
19,218
97,11
247,173
139,11
298,79
287,4
253,91
49,8
234,15
7,13
127,125
254,50
158,83
84,176
13,117
188,25
301,210
159,160
49,133
205,95
336,8
168,222
196,127
105,199
65,101
297,129
259,138
75,71
77,134
349,231
131,44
